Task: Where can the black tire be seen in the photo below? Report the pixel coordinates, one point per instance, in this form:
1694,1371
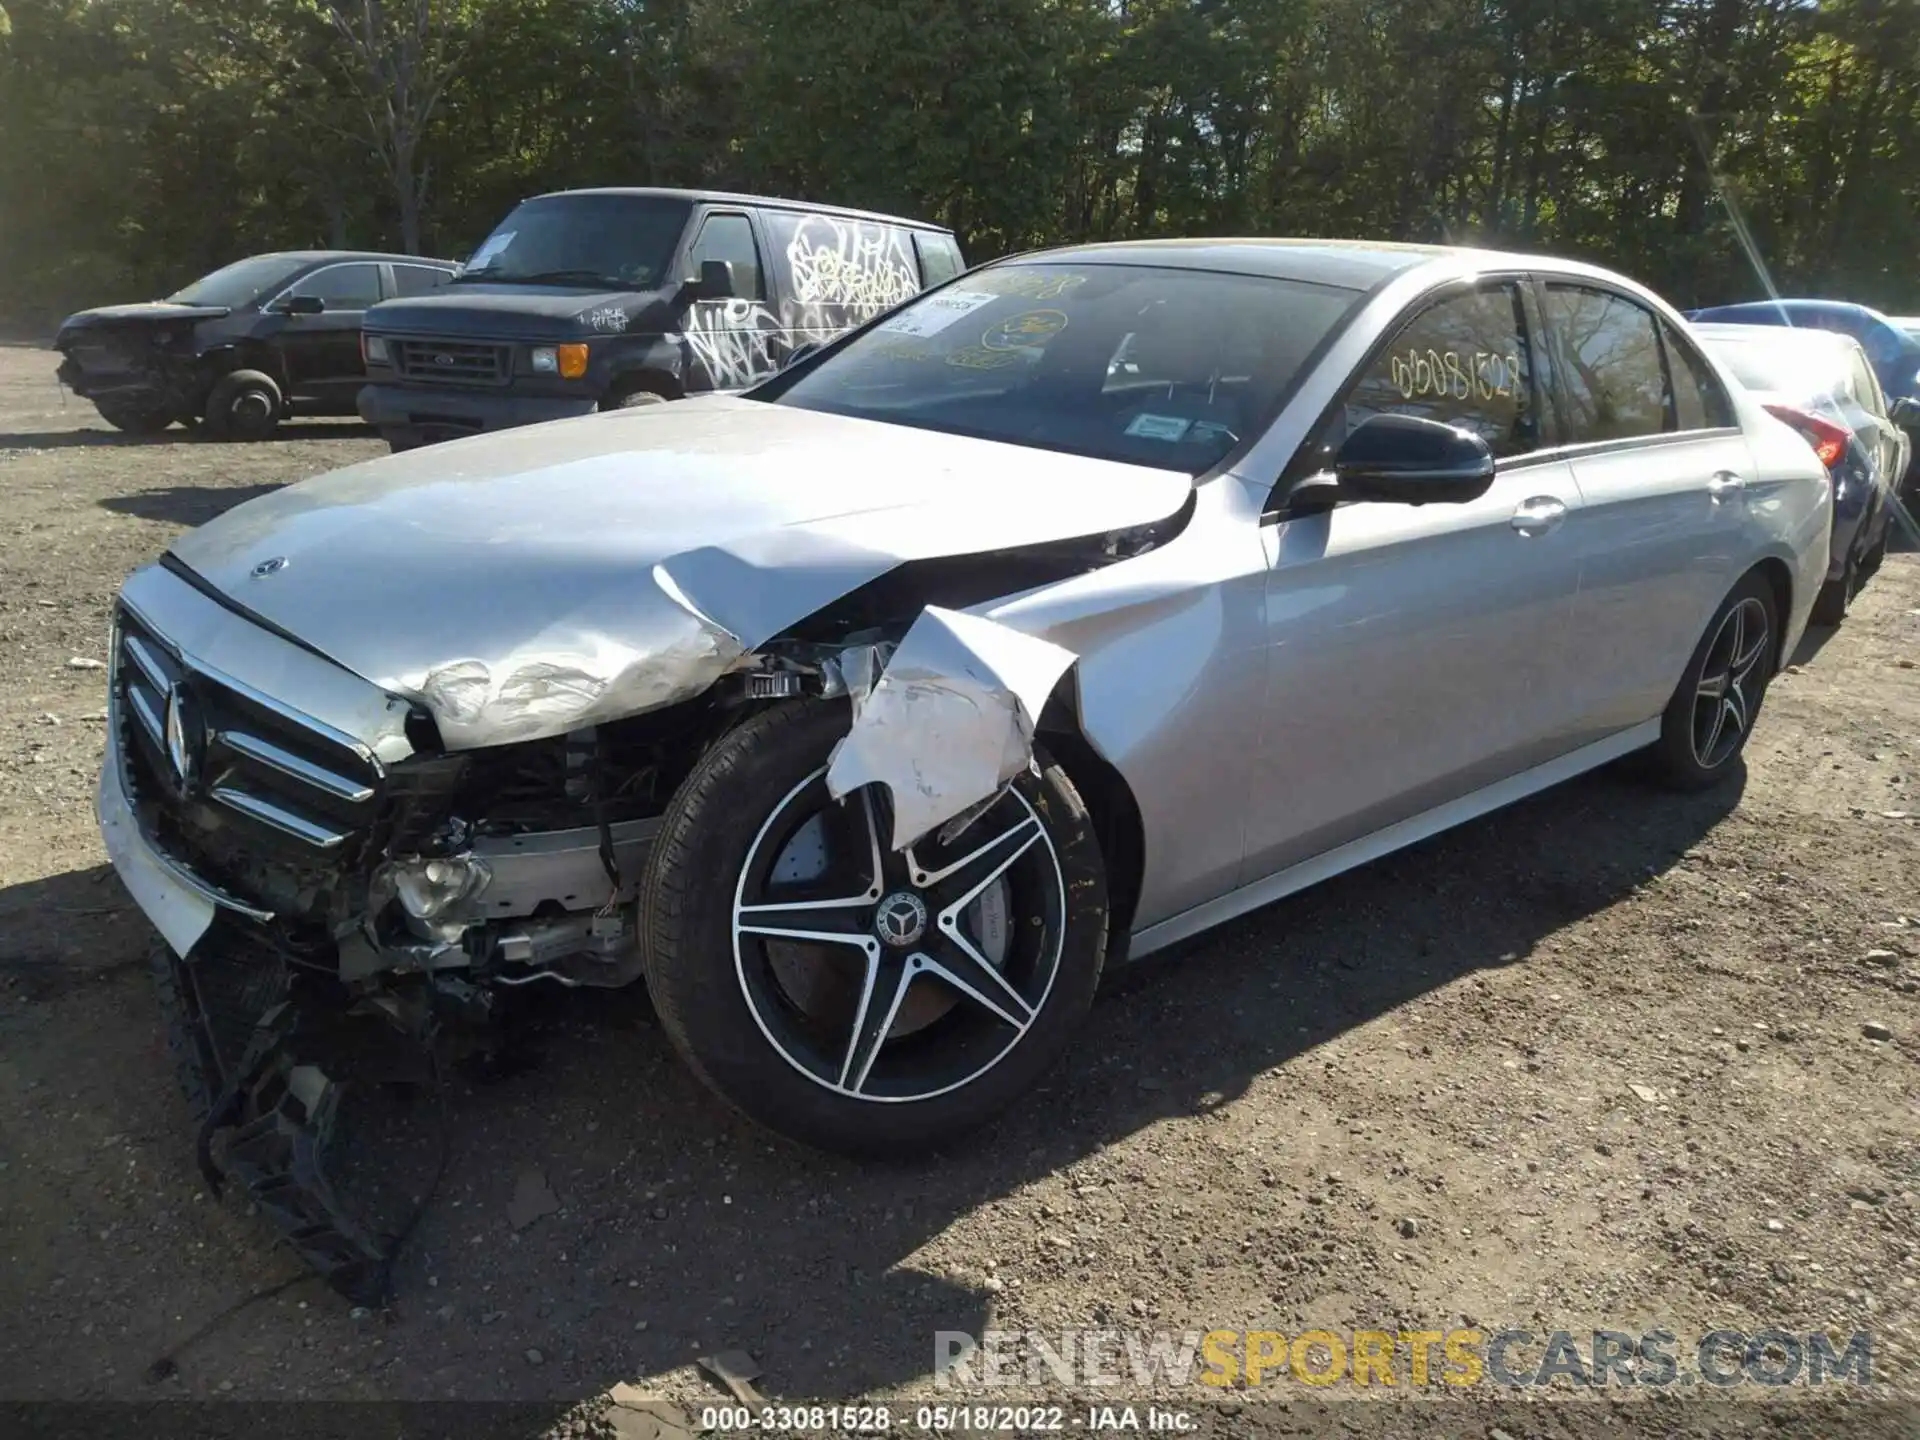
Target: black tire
720,831
244,405
1835,599
1693,752
632,399
1876,555
135,419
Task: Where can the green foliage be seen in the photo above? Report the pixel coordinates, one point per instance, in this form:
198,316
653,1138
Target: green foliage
145,141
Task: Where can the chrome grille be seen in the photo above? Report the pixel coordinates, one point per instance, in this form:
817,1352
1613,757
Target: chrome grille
452,362
212,756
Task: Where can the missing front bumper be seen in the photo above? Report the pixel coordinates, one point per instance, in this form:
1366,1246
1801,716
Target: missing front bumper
270,1061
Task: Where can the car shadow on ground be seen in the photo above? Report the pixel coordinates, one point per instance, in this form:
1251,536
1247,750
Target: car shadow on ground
682,1229
180,435
185,504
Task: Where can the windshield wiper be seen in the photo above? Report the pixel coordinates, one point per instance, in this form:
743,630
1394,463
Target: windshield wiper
560,277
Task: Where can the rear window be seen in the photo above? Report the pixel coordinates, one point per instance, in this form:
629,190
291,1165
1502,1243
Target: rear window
1152,366
1789,367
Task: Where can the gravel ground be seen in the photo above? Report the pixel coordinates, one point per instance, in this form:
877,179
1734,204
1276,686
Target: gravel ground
1601,1061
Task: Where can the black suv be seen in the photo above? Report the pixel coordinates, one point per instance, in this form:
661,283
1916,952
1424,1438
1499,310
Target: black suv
597,299
241,348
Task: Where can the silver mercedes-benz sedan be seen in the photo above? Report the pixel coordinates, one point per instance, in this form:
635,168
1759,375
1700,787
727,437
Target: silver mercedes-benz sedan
1072,608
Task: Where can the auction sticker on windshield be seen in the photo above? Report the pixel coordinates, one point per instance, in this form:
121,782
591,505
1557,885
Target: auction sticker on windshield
493,245
933,315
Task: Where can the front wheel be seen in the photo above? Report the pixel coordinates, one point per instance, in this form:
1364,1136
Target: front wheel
244,405
849,996
1707,722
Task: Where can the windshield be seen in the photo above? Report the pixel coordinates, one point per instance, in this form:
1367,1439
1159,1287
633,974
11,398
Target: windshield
240,283
1152,366
622,242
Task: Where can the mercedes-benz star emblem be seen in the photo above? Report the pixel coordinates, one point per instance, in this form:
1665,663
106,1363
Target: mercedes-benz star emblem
179,741
901,919
269,567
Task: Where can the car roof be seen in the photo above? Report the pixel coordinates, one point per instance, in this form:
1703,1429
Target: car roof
316,257
1350,264
1775,307
765,202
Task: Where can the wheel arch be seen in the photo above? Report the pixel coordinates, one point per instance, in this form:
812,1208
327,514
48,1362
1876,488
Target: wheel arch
643,377
1115,813
1779,580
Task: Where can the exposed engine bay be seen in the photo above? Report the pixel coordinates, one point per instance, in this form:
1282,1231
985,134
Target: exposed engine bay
367,914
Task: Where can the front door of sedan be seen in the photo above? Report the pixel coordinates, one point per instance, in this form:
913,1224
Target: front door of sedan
1663,471
321,350
1419,653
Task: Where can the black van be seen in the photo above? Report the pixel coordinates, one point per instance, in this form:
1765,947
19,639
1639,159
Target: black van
600,299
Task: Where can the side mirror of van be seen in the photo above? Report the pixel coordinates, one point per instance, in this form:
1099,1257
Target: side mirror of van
715,282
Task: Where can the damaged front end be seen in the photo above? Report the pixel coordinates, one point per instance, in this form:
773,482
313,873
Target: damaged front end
352,874
135,360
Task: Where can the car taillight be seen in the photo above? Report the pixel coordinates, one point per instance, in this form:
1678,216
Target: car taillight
1829,440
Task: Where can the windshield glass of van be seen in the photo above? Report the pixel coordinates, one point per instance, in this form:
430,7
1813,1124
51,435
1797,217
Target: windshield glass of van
1148,365
615,242
240,283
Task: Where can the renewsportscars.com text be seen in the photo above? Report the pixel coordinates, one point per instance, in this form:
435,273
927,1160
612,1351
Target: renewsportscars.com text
1412,1359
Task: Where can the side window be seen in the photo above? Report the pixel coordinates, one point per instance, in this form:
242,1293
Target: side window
730,238
1616,383
1463,360
411,280
1700,402
343,287
939,258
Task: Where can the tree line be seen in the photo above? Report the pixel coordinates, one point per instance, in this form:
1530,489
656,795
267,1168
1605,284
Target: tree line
143,142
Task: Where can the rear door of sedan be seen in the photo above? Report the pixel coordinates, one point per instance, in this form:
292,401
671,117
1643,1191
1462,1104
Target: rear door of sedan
1663,469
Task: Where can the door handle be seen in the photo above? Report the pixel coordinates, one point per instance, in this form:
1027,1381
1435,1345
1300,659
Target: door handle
1538,515
1725,485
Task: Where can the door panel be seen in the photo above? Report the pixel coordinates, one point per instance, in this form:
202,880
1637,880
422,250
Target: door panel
1658,550
1417,654
322,352
736,342
1663,503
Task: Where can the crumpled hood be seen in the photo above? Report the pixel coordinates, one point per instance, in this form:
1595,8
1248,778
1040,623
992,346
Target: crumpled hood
513,312
147,312
531,581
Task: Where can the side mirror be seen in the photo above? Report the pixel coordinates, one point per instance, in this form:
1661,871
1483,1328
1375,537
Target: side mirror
1405,460
301,305
715,282
1905,412
804,352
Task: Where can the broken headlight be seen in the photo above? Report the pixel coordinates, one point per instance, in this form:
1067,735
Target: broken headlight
432,891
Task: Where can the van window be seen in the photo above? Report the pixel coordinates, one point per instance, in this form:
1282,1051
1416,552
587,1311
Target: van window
939,258
730,238
839,271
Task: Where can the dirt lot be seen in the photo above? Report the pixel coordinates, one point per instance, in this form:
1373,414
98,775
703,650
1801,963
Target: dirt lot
1597,1062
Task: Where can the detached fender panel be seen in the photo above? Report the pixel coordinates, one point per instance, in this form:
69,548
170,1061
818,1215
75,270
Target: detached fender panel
951,720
